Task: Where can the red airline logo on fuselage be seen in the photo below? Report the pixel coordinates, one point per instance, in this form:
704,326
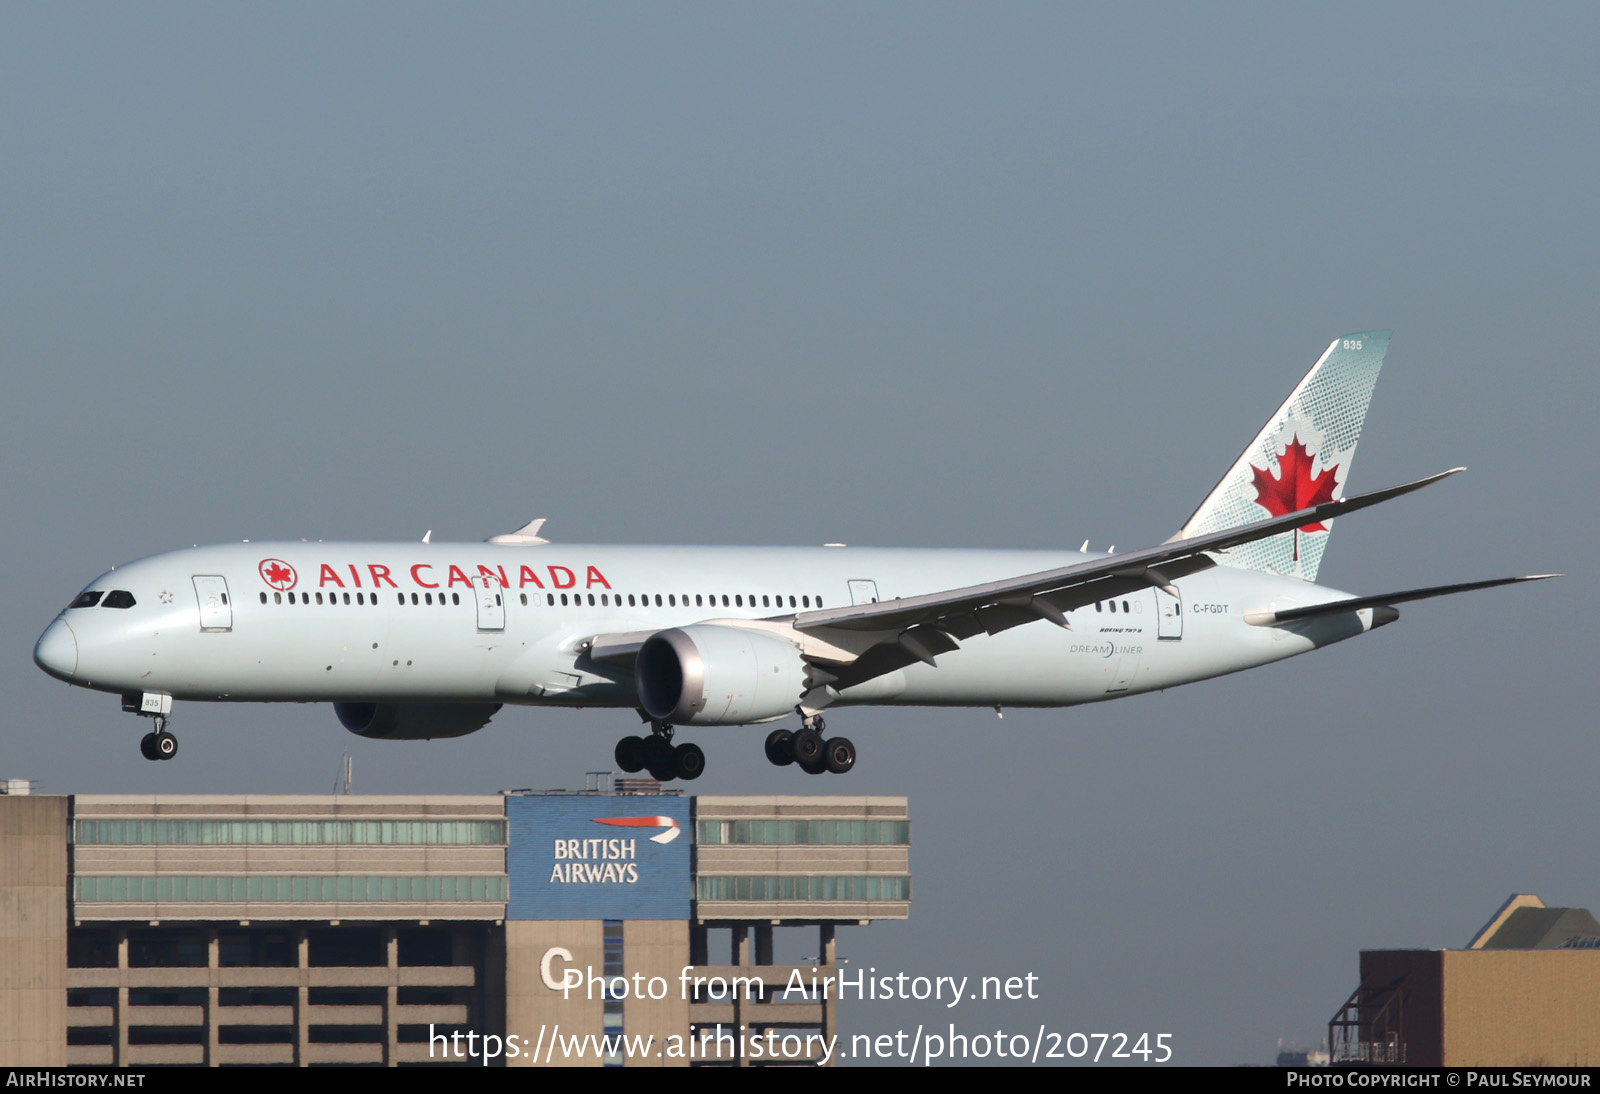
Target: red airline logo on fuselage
277,573
427,575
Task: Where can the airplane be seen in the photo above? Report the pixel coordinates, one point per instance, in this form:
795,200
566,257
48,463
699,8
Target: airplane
424,640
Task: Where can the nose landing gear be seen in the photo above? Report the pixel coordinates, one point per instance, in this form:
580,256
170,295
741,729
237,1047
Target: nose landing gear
158,744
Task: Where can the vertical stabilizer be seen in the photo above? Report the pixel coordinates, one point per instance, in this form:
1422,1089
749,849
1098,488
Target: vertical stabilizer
1300,458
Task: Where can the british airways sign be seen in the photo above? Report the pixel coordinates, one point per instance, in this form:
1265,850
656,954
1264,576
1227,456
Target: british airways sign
597,857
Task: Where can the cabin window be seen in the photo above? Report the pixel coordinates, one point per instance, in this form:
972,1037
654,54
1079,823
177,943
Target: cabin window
413,598
455,598
263,598
805,600
550,600
361,598
524,599
277,598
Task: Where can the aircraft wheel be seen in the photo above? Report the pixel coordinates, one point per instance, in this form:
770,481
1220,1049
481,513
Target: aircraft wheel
690,761
780,752
839,754
147,747
659,759
166,745
806,746
815,767
630,754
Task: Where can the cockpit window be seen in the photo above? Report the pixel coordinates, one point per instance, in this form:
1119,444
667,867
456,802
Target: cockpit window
87,600
118,598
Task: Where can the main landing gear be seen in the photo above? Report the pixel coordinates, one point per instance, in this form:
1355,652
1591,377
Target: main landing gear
160,744
805,747
658,755
808,748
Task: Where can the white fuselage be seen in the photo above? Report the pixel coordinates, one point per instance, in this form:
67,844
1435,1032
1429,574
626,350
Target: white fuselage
387,622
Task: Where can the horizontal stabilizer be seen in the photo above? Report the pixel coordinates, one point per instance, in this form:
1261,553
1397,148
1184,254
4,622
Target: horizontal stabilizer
1384,600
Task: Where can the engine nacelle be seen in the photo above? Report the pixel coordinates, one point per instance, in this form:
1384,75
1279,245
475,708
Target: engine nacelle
414,721
714,675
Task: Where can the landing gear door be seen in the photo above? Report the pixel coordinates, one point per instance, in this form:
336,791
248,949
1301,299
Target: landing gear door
491,603
1169,615
216,614
863,592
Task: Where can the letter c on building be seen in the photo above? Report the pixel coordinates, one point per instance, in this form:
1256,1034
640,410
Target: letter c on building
544,968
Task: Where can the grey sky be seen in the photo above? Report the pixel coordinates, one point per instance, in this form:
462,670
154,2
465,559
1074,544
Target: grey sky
899,274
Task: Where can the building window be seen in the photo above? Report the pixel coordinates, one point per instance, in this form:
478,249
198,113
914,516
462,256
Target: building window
805,831
295,888
91,831
791,887
615,988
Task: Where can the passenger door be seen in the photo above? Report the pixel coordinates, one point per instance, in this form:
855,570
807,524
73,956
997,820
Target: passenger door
491,603
863,592
216,614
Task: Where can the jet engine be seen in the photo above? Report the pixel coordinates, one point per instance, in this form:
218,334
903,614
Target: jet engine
414,721
715,675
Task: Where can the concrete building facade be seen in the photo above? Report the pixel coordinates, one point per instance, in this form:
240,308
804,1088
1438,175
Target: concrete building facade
142,930
1524,992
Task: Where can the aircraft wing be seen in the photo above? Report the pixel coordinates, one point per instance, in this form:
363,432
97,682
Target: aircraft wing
618,648
921,627
1049,594
853,644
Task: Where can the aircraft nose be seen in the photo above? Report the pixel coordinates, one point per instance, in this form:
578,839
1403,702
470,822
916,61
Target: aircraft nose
57,651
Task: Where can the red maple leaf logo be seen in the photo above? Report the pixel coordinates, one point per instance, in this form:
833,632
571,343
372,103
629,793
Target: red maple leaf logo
1296,487
278,574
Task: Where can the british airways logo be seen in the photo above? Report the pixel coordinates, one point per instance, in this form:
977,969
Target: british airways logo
607,861
668,823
